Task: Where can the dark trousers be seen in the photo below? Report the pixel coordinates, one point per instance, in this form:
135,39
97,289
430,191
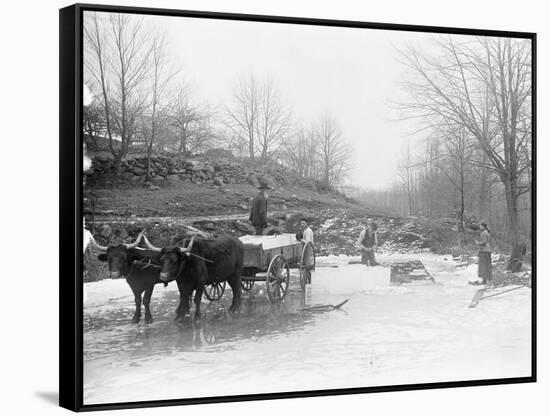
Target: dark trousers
485,268
259,229
367,257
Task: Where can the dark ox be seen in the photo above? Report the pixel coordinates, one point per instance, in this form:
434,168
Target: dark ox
200,263
124,260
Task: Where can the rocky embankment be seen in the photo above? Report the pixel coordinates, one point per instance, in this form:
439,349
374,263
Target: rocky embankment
338,234
336,230
167,171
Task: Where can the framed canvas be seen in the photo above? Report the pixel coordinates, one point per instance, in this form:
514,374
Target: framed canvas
261,207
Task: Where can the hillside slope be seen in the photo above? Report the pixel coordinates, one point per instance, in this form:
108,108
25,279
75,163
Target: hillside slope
214,196
168,206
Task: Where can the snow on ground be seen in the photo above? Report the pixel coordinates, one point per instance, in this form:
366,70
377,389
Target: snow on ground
385,335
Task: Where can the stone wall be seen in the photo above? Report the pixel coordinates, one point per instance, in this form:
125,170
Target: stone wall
167,170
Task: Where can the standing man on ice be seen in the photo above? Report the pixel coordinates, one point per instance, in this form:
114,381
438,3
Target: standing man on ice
258,213
485,271
367,242
484,265
306,236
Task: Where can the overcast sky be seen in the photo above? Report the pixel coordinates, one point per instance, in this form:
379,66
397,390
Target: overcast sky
352,73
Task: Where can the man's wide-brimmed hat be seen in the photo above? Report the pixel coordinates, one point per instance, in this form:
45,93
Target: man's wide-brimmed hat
264,186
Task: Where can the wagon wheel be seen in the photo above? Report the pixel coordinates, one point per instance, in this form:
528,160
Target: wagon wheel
278,277
307,264
214,291
247,285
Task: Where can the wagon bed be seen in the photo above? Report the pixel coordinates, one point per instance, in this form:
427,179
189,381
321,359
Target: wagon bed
259,250
268,258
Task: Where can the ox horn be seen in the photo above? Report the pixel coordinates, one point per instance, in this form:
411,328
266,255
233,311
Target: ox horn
96,244
189,245
149,245
135,243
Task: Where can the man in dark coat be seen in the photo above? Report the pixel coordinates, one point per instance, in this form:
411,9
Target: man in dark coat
258,213
368,241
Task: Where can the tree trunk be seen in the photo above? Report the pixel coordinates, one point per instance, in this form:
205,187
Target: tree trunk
148,172
326,179
516,259
518,249
409,191
512,208
182,150
118,166
483,195
461,213
251,147
149,154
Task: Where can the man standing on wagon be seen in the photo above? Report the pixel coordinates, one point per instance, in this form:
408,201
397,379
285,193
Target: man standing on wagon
258,213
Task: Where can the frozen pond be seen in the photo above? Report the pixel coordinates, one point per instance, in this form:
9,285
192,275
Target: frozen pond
415,333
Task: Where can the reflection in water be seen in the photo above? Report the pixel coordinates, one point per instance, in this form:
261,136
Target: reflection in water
108,333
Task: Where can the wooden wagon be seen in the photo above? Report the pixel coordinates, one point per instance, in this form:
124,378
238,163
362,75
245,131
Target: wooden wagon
268,258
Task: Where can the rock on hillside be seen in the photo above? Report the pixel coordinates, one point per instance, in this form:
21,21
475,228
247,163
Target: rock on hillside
166,171
337,231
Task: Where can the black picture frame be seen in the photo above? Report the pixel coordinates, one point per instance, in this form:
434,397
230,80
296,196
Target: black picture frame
70,214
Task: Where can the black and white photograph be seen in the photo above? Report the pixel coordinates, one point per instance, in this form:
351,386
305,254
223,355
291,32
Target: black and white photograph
281,207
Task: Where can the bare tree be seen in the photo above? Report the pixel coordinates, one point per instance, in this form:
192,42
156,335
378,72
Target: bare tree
333,150
93,121
117,65
406,173
455,163
258,117
484,86
273,122
161,75
431,182
301,153
243,113
202,135
190,124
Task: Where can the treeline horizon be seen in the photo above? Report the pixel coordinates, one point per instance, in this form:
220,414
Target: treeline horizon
142,101
471,100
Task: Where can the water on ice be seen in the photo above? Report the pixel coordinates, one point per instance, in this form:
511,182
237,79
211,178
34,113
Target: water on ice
414,333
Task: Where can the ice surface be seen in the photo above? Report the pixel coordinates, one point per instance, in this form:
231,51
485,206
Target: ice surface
352,279
414,333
